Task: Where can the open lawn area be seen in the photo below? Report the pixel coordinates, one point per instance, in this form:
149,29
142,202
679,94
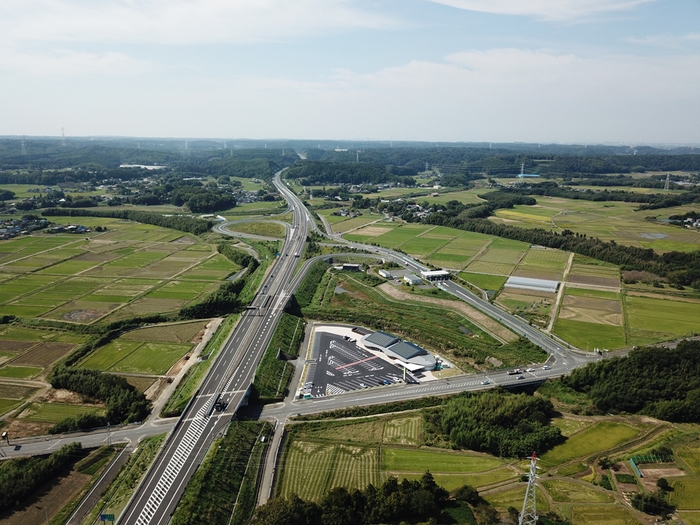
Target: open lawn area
484,281
265,228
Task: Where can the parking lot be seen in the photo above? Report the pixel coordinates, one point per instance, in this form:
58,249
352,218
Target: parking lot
340,366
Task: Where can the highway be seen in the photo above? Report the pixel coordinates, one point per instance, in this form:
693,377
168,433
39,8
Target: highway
227,382
232,374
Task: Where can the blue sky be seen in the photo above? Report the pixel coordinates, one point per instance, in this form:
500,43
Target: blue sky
589,71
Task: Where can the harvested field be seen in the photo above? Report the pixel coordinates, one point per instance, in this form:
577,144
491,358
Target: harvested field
593,281
354,468
52,497
171,333
418,461
576,492
44,354
481,319
599,437
15,346
591,310
372,231
140,383
16,391
403,431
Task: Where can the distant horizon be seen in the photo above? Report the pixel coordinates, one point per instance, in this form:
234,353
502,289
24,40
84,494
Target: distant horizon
388,142
503,71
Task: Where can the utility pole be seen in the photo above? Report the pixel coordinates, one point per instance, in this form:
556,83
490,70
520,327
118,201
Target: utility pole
528,516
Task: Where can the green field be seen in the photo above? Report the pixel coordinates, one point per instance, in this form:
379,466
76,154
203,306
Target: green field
588,336
484,281
115,269
608,221
686,494
264,228
408,460
123,355
55,412
652,320
599,437
151,358
602,515
8,404
572,492
454,481
20,372
514,498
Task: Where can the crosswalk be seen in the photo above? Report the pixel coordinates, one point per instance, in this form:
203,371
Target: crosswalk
181,456
177,461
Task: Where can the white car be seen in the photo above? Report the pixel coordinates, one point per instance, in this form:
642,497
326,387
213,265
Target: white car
485,382
529,369
546,367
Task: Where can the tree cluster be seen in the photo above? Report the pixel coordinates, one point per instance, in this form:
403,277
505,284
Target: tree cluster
497,422
317,173
21,478
662,384
124,403
393,501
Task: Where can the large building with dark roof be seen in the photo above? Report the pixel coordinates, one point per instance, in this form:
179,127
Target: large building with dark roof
409,355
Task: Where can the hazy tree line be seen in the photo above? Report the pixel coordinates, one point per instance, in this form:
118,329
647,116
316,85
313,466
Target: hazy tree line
497,422
21,478
176,222
660,383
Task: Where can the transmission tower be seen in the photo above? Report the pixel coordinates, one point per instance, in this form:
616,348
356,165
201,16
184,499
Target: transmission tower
668,182
24,146
63,138
528,516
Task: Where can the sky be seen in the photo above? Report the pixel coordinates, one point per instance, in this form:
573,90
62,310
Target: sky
561,71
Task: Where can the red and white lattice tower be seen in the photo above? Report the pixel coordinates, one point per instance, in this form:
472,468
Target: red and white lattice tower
528,516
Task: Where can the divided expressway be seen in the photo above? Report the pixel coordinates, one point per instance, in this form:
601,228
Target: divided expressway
227,383
223,390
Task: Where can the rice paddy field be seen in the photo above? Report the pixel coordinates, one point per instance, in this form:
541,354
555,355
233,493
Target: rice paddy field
599,437
55,412
148,351
129,270
608,221
325,454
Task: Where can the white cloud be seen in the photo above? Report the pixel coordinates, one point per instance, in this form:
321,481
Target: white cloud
544,9
666,40
68,63
179,21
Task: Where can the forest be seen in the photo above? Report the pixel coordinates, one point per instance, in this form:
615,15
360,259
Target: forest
498,422
315,173
662,384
